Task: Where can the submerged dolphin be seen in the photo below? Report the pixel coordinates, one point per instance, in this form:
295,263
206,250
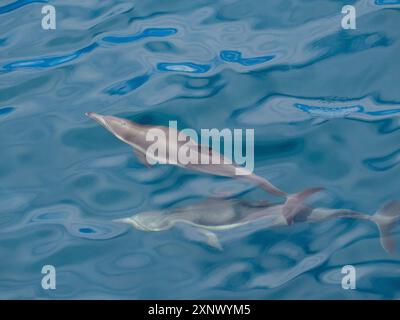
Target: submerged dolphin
214,216
135,135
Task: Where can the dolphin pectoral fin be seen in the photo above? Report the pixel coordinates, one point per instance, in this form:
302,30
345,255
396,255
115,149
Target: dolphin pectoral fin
202,235
212,239
142,158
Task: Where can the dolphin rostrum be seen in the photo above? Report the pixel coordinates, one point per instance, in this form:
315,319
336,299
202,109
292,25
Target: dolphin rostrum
135,135
213,216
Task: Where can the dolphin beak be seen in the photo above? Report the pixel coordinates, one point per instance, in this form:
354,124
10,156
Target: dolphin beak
122,220
97,117
93,115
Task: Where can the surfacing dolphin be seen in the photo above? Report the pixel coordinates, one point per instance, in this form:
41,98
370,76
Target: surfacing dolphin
134,134
214,216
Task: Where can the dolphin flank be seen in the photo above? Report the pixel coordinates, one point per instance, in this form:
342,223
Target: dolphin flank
212,216
134,134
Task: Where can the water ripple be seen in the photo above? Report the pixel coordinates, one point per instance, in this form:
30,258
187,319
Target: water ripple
149,32
282,109
187,67
18,4
384,163
386,2
48,62
6,110
236,56
127,86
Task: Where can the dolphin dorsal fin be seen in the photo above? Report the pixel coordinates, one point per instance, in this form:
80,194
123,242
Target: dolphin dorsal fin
294,206
142,158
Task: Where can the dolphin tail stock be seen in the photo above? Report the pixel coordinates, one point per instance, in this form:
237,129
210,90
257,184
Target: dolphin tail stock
266,185
294,206
386,219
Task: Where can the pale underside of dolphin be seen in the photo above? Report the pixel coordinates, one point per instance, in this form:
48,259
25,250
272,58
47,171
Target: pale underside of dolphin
134,134
211,218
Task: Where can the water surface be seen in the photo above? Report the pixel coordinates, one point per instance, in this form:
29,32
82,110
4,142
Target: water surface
324,103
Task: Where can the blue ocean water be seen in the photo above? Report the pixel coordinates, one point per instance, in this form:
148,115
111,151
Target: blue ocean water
324,103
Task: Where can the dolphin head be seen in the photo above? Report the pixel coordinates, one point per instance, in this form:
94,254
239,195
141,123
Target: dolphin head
123,129
148,221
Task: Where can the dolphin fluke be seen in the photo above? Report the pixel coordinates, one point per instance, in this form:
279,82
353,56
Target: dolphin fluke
386,219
